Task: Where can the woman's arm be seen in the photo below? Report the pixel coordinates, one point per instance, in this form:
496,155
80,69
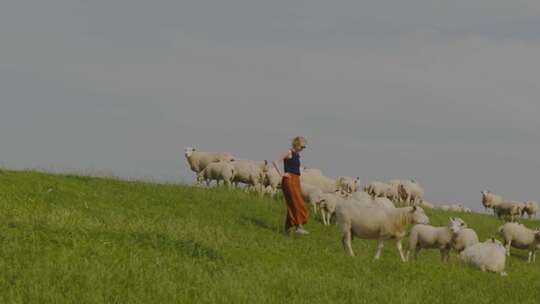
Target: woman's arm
282,157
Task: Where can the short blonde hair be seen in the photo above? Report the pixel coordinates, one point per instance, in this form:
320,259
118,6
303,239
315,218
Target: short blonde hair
299,140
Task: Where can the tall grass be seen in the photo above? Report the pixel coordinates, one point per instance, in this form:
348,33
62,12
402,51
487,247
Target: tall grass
76,239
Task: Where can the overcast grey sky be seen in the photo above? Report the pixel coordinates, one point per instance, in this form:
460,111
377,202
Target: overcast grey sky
442,91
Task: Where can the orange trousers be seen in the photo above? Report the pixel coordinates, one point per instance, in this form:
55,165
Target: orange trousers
296,209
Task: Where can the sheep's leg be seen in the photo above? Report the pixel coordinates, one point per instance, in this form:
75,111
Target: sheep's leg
530,256
416,252
323,215
346,240
400,249
508,244
380,246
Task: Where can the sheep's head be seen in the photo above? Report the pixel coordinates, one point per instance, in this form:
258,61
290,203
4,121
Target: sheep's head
419,216
456,224
189,151
537,235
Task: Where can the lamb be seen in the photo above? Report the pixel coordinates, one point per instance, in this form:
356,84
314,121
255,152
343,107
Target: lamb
251,173
531,208
518,236
312,195
430,237
220,171
316,178
348,184
410,192
198,160
376,223
487,256
328,204
376,188
464,238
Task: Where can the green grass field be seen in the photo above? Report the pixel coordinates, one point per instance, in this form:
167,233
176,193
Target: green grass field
74,239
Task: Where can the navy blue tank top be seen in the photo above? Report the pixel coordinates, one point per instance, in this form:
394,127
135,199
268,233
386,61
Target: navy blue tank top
292,165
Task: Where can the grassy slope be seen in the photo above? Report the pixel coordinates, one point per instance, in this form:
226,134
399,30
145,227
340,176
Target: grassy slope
93,240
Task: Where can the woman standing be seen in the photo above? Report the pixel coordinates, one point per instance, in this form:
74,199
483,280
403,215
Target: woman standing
296,210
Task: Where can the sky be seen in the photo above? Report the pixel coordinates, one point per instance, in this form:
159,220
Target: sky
445,92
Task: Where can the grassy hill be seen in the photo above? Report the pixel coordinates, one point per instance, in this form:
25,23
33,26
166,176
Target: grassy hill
77,239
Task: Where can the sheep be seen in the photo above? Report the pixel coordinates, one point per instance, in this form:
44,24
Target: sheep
411,192
376,188
531,207
487,256
272,180
430,237
348,184
376,223
453,208
328,204
312,195
489,199
510,208
198,160
360,195
518,236
464,238
251,173
316,178
384,202
220,171
392,192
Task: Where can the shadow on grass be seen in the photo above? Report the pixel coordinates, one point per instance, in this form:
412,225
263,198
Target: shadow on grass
259,223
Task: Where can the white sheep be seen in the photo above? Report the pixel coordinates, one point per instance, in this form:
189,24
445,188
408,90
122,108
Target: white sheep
489,199
487,256
312,194
329,203
392,192
198,160
348,184
427,205
376,223
531,207
220,171
411,192
518,236
376,188
316,178
251,173
431,237
384,202
272,180
509,208
464,238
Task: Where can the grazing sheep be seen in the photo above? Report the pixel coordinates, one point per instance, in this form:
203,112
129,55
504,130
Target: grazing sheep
520,237
430,237
410,192
272,180
376,188
348,184
312,195
251,173
509,208
316,178
376,223
531,208
464,238
220,171
199,160
487,256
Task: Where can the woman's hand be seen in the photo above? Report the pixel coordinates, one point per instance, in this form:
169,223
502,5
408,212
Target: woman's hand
286,174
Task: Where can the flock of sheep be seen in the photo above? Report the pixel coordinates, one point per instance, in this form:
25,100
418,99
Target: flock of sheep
382,211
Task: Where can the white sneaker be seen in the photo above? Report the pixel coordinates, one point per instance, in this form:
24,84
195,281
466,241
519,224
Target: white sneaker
301,231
